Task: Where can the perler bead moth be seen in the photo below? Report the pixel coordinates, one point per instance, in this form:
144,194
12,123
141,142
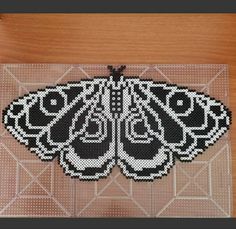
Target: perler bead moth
140,125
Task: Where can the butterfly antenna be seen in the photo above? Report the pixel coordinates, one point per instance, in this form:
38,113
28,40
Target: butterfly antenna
116,73
121,68
111,69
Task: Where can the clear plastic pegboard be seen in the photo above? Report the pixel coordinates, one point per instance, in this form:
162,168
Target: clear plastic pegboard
32,188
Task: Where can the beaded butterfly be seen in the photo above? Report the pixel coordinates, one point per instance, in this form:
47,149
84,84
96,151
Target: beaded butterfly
94,124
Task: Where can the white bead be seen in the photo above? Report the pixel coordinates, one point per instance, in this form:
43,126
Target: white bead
53,102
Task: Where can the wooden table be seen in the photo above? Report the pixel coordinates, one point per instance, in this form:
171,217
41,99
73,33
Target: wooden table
123,38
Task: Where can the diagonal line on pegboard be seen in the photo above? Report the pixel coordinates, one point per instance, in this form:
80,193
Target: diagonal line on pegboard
192,178
121,187
143,72
8,204
162,74
210,161
33,180
97,194
165,207
140,207
84,72
213,79
206,194
218,152
17,196
220,208
186,185
211,198
87,205
15,78
183,188
107,185
61,206
63,75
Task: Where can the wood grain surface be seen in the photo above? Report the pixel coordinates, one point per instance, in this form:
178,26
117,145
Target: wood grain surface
123,38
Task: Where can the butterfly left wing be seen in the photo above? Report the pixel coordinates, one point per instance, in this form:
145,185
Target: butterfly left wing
68,121
174,122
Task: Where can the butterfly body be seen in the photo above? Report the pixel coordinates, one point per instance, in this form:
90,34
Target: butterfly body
140,125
